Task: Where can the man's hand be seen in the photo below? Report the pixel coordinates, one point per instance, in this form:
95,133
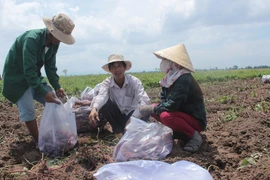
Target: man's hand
50,97
60,93
147,110
93,117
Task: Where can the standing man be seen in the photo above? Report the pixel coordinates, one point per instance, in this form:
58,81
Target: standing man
22,79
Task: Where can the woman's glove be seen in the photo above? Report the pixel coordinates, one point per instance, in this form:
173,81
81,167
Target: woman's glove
147,110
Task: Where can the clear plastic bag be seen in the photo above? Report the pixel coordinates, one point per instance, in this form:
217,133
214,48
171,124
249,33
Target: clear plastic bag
82,120
87,94
58,132
152,170
266,79
96,89
73,101
144,140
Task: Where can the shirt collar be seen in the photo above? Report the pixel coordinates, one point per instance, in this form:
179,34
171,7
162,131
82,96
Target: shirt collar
115,85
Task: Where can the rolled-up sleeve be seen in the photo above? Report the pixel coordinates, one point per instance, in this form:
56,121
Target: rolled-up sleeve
141,97
103,95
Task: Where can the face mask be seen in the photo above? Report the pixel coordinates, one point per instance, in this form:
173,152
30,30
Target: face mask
165,66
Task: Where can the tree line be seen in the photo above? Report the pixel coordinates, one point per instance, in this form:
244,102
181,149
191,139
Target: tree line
236,67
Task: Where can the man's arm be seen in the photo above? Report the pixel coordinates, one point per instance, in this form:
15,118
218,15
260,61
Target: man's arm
51,70
30,56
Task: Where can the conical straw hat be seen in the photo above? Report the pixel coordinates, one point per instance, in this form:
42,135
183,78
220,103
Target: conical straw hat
177,54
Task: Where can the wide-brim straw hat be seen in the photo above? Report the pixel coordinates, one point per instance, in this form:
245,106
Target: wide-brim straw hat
61,27
177,54
116,58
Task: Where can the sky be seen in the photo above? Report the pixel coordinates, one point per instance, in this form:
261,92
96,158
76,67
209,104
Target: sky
216,33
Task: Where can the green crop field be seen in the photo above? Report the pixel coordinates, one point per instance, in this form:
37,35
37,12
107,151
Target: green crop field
74,85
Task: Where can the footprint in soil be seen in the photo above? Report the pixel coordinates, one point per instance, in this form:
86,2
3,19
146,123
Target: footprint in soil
25,153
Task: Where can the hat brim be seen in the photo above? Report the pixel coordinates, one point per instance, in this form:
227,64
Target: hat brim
67,39
106,66
176,54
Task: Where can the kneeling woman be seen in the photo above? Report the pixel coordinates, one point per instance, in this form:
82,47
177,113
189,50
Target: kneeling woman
182,105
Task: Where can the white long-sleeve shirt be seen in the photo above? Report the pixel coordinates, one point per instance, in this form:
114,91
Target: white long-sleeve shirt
127,98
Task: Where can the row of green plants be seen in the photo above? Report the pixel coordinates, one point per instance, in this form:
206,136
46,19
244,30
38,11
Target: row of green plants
74,85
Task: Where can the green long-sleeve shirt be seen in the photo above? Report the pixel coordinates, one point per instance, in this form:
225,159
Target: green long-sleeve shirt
184,95
23,64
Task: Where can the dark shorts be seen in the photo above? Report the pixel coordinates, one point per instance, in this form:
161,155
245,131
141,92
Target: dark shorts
111,113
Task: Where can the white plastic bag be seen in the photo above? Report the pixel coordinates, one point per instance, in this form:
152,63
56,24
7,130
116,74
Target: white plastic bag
87,94
152,170
143,140
266,79
72,101
58,132
96,89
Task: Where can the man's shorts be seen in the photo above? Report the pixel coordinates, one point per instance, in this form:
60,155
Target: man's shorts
26,104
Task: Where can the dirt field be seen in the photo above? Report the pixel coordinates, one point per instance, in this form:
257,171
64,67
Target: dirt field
238,135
